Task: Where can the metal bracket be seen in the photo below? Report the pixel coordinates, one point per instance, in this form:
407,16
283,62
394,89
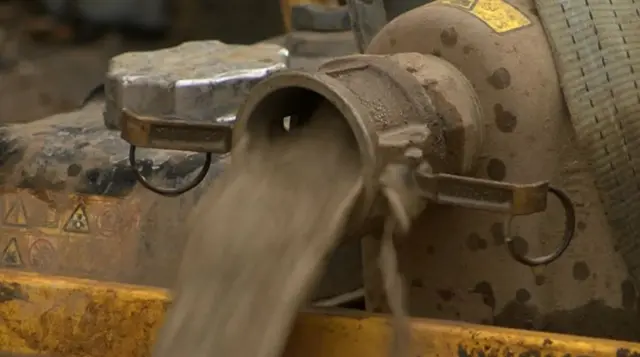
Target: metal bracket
501,197
176,134
486,195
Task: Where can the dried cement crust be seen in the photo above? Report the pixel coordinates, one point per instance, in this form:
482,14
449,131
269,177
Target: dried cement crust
200,80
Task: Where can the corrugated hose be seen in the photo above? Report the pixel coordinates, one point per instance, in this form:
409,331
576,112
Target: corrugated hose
596,46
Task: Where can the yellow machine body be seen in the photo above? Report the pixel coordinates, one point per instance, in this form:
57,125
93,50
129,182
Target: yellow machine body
80,318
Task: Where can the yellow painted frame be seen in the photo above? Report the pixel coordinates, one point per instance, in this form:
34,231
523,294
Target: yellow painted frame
81,318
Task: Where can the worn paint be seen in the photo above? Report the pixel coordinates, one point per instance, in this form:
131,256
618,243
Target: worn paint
499,15
500,78
449,37
74,317
60,233
69,317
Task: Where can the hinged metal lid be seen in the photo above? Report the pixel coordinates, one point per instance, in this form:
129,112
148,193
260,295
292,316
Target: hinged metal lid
200,80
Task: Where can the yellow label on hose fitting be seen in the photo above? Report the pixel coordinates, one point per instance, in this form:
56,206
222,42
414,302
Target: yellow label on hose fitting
498,14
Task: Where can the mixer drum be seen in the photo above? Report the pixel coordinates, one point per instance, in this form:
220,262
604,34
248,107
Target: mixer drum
455,261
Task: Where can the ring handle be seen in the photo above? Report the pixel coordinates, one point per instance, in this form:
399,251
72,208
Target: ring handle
168,192
569,232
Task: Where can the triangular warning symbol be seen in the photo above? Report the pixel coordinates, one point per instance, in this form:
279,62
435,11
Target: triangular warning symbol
78,222
16,215
11,255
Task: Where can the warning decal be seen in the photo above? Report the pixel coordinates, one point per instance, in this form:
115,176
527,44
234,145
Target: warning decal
11,255
465,4
42,254
108,222
78,222
16,215
499,15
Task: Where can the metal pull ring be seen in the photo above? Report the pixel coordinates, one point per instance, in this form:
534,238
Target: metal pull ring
569,232
168,192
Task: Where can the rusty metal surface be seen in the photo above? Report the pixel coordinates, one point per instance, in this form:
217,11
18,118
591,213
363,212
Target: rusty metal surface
455,261
76,318
200,80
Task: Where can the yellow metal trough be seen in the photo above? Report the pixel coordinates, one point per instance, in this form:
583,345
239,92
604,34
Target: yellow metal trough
57,316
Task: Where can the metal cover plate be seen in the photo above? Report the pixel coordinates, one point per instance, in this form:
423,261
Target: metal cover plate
200,80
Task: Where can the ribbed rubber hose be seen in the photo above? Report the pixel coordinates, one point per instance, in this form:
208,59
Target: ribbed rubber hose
597,52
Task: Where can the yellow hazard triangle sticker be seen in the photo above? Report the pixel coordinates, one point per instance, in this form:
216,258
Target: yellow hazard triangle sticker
11,255
16,215
78,222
